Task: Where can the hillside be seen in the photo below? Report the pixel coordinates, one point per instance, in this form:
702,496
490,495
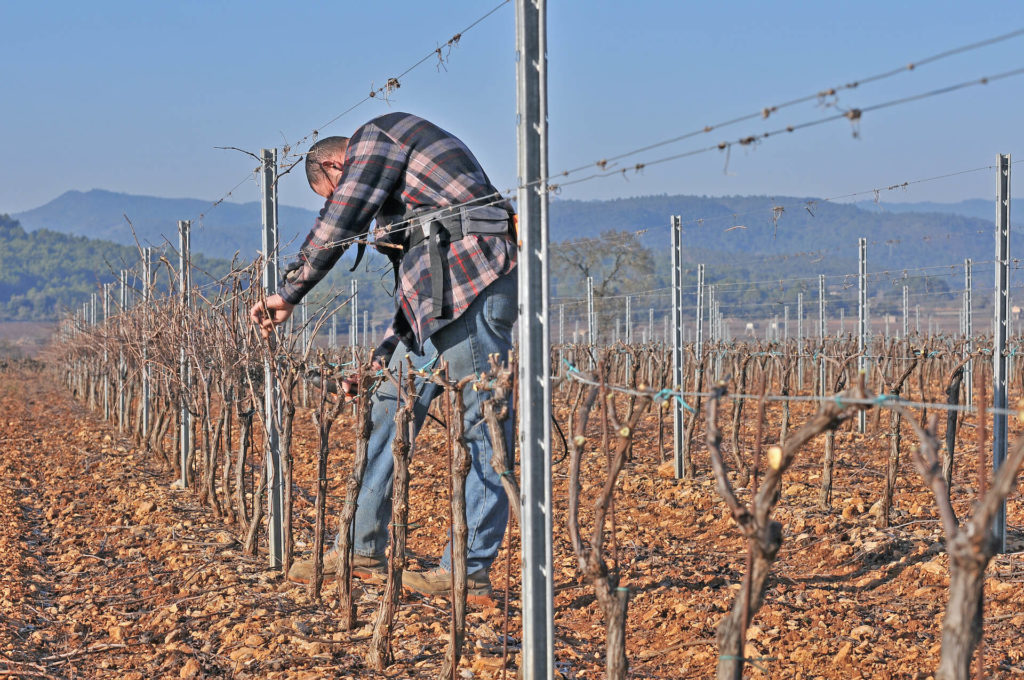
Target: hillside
753,226
728,224
976,207
45,272
227,229
739,238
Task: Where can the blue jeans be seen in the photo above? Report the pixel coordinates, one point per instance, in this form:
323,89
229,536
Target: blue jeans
484,328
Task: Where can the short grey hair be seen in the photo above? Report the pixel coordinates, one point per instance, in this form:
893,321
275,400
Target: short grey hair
326,147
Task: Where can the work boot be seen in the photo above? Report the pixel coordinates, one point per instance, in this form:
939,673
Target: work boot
363,566
439,582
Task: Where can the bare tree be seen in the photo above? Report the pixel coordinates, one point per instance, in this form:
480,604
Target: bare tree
616,260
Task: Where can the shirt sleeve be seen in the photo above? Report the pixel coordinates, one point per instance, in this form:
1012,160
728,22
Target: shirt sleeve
374,164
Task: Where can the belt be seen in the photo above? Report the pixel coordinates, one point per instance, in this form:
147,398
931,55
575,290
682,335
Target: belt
440,228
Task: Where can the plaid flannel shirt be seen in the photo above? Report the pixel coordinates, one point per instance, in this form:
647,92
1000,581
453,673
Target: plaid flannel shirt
396,166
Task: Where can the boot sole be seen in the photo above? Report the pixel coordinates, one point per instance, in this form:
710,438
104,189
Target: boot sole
368,574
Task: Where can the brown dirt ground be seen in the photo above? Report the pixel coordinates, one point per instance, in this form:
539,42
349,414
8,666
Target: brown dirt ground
110,573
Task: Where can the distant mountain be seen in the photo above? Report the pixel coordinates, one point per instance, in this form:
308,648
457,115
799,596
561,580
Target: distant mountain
719,228
899,234
222,231
741,240
974,207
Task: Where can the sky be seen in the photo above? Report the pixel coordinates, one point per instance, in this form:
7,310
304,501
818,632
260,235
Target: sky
134,96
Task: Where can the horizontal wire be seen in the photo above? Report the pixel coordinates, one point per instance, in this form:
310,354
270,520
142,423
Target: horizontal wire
394,82
810,203
765,135
820,95
853,115
828,92
733,308
646,231
251,175
881,401
384,90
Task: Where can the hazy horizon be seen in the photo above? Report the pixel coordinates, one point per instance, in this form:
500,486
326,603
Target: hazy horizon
854,200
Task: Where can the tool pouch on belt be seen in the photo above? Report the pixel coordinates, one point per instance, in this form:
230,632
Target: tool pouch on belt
439,228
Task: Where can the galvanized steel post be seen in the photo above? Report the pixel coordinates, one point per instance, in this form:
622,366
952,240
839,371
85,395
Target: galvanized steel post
304,317
699,334
906,312
800,341
184,371
968,332
353,324
862,318
711,327
629,320
561,324
1002,316
272,390
561,339
534,340
122,365
822,331
147,263
591,317
106,351
679,463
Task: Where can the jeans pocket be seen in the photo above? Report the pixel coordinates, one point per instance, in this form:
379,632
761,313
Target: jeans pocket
502,308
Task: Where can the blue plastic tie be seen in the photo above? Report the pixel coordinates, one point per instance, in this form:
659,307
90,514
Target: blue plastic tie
685,405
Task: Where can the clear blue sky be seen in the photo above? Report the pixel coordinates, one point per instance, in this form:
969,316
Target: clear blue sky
133,96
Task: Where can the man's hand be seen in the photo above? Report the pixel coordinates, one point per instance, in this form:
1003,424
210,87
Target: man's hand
350,383
269,313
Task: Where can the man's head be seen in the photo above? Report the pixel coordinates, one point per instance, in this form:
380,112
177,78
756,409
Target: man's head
324,162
